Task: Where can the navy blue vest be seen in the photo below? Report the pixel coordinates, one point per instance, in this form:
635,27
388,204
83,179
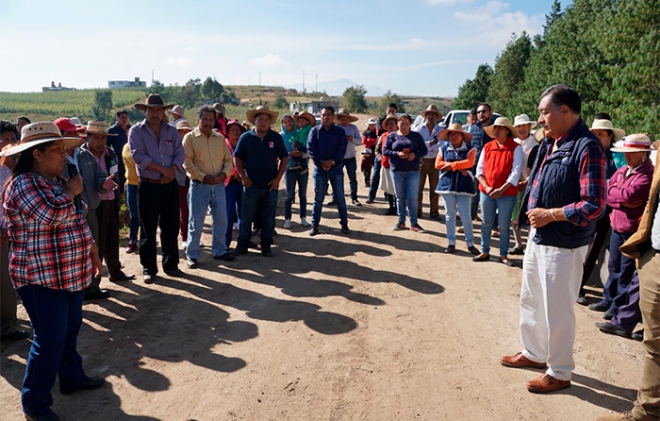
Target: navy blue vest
559,185
454,181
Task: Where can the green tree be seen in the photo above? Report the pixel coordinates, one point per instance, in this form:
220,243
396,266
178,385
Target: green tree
354,98
509,74
390,98
474,91
281,102
211,89
156,87
102,104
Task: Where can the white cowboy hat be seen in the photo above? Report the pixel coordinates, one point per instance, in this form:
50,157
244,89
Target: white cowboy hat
501,122
98,127
262,109
635,143
607,125
455,127
344,112
521,119
38,133
371,121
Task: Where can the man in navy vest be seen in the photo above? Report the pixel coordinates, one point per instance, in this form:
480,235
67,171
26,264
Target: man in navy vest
564,198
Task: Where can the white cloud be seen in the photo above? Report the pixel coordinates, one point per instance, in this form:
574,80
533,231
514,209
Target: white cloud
269,60
179,61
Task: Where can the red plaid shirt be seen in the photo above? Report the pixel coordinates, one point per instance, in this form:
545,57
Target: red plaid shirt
50,241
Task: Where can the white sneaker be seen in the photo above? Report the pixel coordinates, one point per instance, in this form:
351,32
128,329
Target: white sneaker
304,222
287,223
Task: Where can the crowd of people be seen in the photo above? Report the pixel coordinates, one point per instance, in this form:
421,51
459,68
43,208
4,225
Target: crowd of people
571,185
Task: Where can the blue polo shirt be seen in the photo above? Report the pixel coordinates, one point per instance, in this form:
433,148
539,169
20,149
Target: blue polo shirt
261,156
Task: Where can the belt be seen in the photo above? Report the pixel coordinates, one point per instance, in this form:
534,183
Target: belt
150,180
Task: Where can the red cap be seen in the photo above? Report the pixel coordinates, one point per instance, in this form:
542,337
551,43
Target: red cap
65,125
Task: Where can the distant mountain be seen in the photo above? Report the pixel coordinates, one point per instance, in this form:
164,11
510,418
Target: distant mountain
337,87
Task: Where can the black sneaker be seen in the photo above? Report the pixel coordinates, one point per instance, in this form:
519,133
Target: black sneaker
345,229
313,231
370,201
192,263
267,252
612,329
227,257
638,336
96,294
239,250
356,202
174,273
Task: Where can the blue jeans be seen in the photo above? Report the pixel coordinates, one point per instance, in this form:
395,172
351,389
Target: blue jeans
200,197
406,189
252,198
375,180
56,316
233,196
351,170
621,270
451,202
131,199
291,177
503,208
336,178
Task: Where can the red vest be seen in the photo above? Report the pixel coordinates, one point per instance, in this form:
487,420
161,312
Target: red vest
498,163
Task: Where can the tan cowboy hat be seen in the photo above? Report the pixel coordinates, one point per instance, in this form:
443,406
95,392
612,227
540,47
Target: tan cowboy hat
152,101
344,112
307,116
431,109
38,133
388,118
607,125
219,108
639,142
656,145
455,127
522,119
98,127
184,125
262,109
501,122
178,110
539,135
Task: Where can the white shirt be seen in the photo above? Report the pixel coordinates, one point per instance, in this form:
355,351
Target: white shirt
352,130
428,137
527,146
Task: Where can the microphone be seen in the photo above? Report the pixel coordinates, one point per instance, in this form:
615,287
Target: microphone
73,171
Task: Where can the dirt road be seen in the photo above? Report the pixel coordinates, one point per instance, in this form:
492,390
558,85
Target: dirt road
377,325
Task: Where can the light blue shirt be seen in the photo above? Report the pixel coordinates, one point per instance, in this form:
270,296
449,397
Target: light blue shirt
428,137
352,130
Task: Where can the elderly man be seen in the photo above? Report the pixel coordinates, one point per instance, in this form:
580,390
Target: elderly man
107,213
158,154
260,158
326,146
644,245
429,131
564,198
208,164
117,138
344,119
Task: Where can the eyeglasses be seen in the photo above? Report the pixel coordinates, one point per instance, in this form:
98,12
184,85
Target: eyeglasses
481,111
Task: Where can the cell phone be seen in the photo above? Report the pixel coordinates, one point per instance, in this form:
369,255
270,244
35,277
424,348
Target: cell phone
406,151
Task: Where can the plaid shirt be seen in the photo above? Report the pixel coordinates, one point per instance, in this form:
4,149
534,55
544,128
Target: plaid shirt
50,241
592,185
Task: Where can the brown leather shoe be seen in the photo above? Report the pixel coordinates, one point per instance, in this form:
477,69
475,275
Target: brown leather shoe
616,417
520,361
546,384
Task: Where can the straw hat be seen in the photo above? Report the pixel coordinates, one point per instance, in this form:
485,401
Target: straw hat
152,101
184,125
38,133
178,110
521,119
634,143
501,122
388,118
455,128
98,127
262,109
431,109
607,125
307,116
539,135
345,113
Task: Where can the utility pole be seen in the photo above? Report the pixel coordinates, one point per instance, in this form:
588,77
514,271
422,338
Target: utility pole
317,83
303,81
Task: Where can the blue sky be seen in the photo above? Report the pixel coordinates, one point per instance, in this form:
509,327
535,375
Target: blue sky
422,47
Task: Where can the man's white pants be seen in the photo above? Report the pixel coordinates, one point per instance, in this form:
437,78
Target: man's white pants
550,285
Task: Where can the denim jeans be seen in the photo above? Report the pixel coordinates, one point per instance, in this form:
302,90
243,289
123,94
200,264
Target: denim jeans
462,201
200,197
252,198
336,178
56,316
351,171
131,199
375,180
406,188
233,196
621,270
291,177
503,208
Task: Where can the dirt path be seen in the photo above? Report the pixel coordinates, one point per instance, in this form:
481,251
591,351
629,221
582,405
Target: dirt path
374,326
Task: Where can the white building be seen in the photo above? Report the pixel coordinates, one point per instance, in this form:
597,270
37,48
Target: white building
116,84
